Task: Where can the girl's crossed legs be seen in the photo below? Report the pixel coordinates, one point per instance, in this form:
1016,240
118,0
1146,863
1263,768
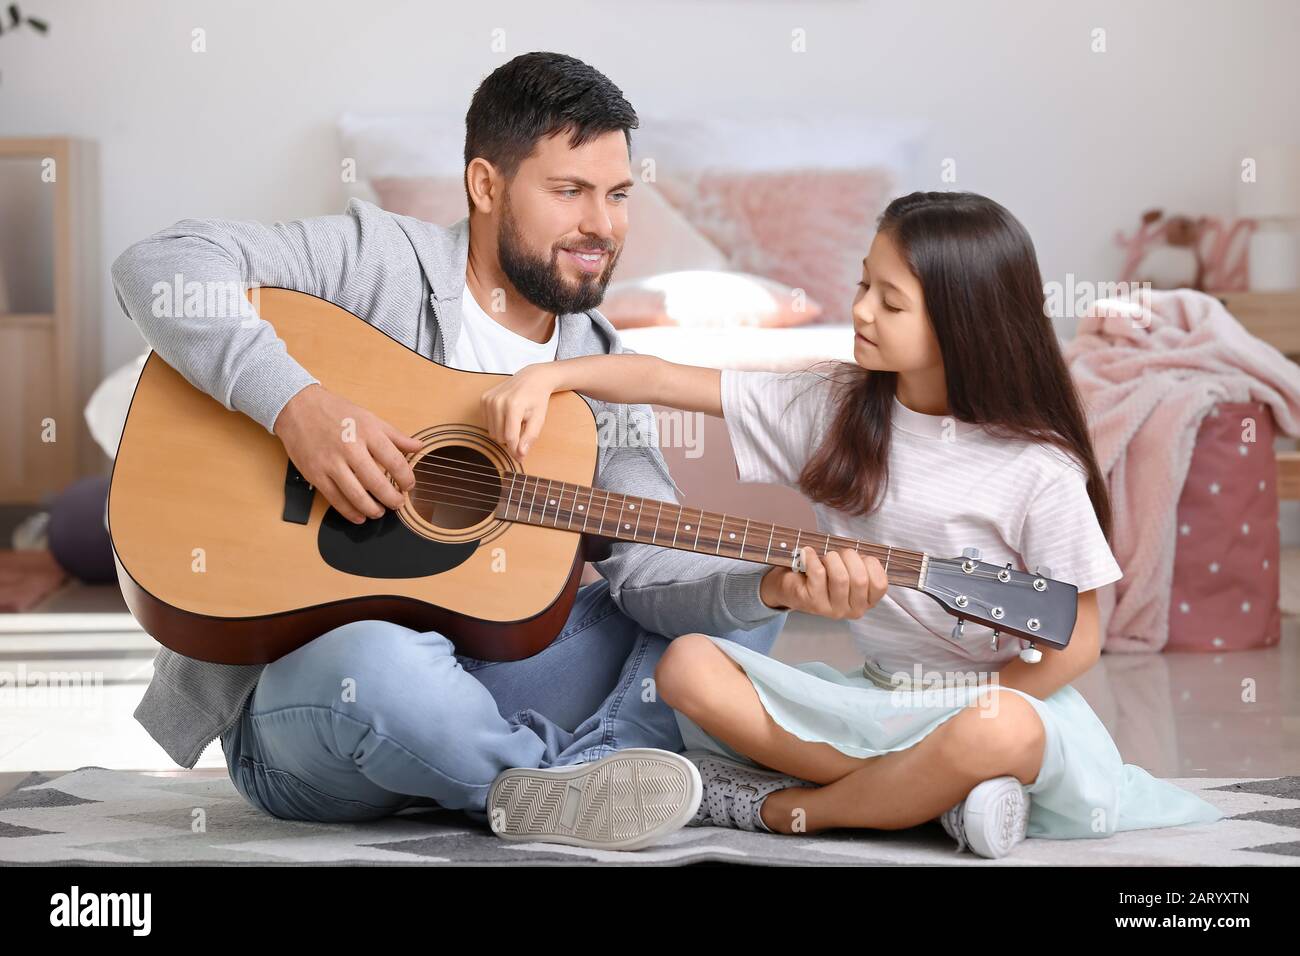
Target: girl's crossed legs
891,791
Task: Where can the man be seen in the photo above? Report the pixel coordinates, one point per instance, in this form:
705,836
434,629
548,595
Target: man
547,153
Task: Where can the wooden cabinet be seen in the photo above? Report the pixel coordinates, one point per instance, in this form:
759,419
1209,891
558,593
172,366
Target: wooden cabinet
49,323
1275,318
1271,316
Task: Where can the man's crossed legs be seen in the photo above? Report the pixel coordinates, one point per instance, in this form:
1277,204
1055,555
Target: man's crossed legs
372,717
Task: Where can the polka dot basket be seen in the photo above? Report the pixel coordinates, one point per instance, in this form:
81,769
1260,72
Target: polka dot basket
1225,590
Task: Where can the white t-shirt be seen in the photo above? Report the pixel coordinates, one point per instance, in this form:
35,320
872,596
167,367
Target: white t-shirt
485,345
951,486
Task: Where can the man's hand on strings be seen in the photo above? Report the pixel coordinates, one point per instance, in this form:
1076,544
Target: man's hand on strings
350,455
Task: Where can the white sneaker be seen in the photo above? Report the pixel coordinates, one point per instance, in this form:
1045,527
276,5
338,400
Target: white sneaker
734,791
625,801
992,819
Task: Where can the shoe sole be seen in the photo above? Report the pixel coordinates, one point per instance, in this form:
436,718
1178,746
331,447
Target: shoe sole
625,801
996,817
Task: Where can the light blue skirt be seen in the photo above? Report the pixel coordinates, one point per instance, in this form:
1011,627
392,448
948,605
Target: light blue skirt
1084,788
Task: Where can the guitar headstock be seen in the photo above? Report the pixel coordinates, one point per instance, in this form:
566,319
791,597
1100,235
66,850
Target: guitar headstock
1031,606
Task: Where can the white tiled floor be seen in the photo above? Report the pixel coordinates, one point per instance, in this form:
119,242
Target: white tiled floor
1177,715
108,660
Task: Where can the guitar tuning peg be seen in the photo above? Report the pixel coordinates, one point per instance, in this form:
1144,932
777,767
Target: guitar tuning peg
1043,572
996,635
972,553
1030,654
956,629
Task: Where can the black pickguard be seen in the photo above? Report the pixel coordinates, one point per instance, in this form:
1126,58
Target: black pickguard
385,548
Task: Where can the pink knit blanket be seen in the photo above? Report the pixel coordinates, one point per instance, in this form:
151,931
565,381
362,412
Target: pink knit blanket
1147,377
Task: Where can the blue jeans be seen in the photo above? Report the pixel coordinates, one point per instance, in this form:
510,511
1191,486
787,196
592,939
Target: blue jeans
372,717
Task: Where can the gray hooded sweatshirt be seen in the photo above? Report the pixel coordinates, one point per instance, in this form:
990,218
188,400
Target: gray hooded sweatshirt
404,276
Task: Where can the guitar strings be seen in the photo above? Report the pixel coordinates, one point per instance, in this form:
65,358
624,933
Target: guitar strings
898,557
564,515
705,522
895,556
480,500
458,497
705,529
901,556
496,480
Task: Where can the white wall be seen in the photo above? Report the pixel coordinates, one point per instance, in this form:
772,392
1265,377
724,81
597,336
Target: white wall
1075,143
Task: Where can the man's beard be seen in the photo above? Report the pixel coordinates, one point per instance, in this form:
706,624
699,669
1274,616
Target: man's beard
540,281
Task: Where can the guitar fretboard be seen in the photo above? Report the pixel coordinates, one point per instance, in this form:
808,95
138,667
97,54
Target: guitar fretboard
557,504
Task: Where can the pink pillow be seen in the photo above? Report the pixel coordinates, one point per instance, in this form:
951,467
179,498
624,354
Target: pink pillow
808,228
700,298
660,239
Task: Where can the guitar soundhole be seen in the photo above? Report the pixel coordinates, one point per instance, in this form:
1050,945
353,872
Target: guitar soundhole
455,486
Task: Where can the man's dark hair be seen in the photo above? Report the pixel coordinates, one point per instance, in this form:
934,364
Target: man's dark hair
537,95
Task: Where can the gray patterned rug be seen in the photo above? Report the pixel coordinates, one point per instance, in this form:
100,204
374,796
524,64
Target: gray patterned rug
119,817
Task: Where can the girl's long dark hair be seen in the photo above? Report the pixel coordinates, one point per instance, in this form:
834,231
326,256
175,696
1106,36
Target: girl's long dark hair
1002,361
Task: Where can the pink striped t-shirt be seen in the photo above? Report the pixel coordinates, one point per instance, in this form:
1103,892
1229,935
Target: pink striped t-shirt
951,486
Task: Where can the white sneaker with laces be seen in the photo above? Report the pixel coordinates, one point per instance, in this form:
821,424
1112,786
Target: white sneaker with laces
625,801
734,791
991,820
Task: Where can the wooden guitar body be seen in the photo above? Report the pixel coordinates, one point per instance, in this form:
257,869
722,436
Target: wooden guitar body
215,565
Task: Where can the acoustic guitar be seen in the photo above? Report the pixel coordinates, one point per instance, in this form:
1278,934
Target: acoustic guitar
225,553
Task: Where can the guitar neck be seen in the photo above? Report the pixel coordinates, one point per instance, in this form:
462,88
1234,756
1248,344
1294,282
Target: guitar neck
547,503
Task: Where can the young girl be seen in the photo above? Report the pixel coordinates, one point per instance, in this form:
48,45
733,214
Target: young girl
957,426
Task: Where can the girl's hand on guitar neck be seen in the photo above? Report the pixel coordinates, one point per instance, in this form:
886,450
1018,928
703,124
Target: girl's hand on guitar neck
839,585
346,452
